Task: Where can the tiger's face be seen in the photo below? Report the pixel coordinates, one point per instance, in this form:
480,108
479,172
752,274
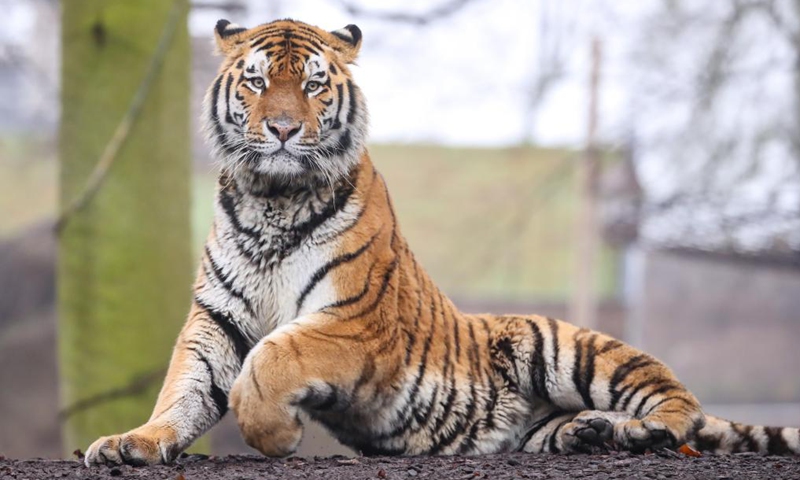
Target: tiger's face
284,104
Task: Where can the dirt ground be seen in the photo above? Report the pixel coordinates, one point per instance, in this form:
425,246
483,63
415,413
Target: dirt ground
616,465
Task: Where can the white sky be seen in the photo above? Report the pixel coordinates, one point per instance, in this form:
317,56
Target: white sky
461,80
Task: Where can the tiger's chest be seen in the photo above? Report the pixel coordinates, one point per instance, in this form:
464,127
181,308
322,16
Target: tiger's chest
264,260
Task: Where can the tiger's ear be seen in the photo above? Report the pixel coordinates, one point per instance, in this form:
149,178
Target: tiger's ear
347,42
227,36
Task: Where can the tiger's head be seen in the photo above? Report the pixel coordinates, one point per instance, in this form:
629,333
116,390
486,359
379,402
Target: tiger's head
284,104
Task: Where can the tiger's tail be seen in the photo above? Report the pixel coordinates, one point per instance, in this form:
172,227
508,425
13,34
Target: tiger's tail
723,436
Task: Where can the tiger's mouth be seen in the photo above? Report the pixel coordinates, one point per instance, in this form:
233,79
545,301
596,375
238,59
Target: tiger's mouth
278,162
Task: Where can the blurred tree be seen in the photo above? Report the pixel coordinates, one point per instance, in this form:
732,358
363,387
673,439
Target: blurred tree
719,124
124,257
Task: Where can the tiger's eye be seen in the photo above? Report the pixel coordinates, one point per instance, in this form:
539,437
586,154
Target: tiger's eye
257,82
312,86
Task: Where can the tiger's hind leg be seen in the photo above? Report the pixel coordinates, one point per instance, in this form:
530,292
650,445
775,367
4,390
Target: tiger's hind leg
573,369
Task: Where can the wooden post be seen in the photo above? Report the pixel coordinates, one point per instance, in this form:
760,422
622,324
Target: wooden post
583,308
125,260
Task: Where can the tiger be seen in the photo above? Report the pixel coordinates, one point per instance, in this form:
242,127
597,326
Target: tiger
309,299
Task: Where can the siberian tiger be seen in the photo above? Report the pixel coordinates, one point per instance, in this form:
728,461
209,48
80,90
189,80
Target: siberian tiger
308,298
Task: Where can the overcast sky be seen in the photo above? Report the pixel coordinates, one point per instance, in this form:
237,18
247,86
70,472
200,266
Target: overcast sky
461,80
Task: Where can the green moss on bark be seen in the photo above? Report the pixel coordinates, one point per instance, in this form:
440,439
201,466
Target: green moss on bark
125,260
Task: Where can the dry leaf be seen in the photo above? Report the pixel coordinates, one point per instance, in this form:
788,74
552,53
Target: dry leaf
689,451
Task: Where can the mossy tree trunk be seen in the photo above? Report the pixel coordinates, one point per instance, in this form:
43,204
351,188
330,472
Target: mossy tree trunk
125,259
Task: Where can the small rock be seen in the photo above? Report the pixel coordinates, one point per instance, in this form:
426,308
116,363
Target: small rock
411,472
512,462
381,473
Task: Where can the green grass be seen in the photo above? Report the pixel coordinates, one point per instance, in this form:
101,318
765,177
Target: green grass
489,223
496,223
28,183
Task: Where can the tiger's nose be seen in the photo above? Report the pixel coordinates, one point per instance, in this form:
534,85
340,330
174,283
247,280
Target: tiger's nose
283,128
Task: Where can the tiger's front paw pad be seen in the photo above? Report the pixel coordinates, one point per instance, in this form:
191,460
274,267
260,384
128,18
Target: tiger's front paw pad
638,435
580,435
131,449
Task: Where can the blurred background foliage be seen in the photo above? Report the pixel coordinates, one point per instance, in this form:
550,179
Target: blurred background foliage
659,203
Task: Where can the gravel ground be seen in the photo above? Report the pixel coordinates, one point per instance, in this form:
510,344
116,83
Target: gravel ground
615,465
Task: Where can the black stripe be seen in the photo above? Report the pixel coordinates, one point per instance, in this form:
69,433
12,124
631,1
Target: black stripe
553,447
241,346
215,115
456,335
339,93
408,413
536,428
218,396
325,269
309,49
342,145
609,346
228,84
538,365
670,399
228,204
583,372
635,389
387,276
447,408
746,437
777,444
468,443
317,48
351,93
422,413
354,298
621,373
554,334
657,391
227,283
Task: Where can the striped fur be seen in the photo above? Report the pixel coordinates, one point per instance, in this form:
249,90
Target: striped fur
309,299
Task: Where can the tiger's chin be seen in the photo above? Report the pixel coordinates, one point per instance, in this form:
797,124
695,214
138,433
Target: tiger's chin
278,170
281,164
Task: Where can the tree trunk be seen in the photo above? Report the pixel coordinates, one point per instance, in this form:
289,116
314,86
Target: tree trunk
125,259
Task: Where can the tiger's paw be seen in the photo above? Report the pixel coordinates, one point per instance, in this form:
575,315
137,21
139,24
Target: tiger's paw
265,424
640,435
590,430
140,447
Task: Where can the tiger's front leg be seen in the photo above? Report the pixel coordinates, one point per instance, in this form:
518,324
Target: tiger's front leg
204,364
576,369
294,367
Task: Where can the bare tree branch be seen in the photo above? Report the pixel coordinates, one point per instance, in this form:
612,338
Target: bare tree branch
137,386
437,13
